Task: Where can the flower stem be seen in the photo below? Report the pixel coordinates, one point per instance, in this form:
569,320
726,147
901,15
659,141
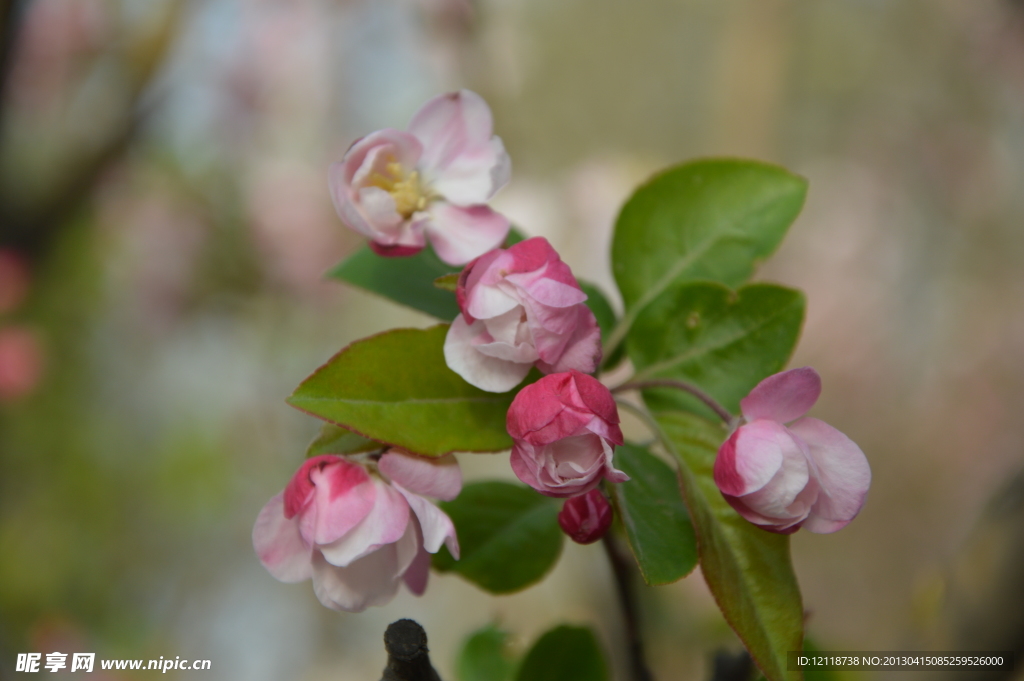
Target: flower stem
627,599
722,412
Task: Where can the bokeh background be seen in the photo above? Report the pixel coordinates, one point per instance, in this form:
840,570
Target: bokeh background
165,225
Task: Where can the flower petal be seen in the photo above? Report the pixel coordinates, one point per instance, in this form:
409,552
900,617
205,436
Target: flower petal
843,473
343,495
487,373
438,477
279,544
751,457
385,524
418,574
461,159
436,526
372,580
460,234
784,396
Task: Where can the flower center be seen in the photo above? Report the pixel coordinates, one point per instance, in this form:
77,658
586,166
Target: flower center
405,188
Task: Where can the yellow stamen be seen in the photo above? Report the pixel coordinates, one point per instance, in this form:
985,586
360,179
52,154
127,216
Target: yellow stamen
405,188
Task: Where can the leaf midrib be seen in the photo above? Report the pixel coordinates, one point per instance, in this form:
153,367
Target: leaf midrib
618,334
666,364
692,482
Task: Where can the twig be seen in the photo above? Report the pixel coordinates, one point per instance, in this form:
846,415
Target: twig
627,599
408,657
711,402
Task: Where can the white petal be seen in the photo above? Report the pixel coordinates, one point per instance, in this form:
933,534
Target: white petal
460,234
372,580
435,524
487,373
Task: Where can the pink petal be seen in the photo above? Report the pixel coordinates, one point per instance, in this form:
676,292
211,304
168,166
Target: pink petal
462,159
751,456
440,478
460,234
534,254
537,405
582,350
596,397
344,494
487,373
436,526
372,580
418,574
279,544
524,464
552,285
843,474
470,278
474,176
385,524
783,397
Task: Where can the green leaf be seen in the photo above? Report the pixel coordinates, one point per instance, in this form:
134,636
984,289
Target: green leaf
565,653
396,388
337,440
486,656
710,220
722,341
508,536
656,520
747,569
408,280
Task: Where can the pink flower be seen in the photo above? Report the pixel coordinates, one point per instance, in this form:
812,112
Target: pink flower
564,428
782,478
401,188
356,534
586,518
520,307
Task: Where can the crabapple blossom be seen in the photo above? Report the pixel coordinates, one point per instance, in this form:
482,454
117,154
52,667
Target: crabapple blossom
564,428
359,533
401,189
586,518
521,307
782,478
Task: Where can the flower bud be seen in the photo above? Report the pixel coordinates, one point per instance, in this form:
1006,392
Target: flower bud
521,307
564,428
586,518
782,478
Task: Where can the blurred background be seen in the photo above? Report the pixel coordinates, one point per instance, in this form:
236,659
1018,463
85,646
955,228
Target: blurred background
165,224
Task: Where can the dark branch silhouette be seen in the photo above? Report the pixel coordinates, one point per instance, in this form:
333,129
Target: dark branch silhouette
408,657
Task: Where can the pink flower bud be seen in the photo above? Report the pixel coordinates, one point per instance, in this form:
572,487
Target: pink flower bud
586,518
564,427
782,478
401,188
521,307
355,532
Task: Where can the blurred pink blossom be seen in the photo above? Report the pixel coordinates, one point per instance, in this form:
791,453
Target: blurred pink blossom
21,362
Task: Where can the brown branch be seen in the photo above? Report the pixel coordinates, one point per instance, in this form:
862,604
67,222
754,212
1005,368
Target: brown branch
623,573
408,657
